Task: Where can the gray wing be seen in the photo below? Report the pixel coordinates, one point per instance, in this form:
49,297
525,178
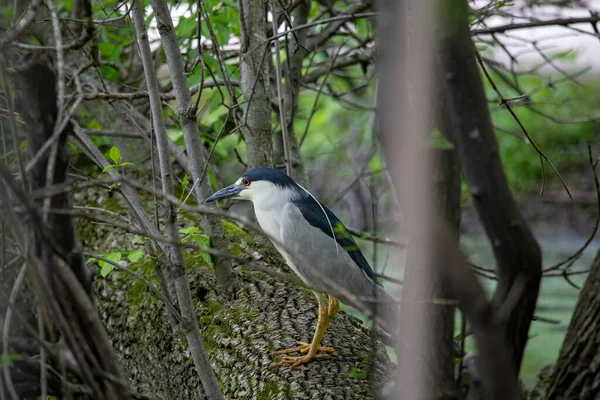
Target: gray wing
316,258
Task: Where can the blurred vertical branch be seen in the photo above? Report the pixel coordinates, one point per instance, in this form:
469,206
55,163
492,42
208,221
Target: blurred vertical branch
404,105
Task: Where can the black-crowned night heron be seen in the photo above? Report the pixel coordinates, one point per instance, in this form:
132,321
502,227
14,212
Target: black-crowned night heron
316,246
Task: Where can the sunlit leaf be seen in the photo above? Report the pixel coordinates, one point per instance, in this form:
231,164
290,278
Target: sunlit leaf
114,154
203,241
135,255
107,268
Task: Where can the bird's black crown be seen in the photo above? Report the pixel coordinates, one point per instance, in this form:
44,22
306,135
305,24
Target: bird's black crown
271,175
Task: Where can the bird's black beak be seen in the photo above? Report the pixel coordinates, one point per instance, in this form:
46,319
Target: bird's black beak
226,193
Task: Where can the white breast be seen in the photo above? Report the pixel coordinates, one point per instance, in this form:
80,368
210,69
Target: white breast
271,224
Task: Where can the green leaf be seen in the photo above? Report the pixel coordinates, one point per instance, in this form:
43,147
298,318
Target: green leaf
438,141
7,360
114,154
135,256
94,124
107,268
204,242
189,231
107,168
176,135
136,239
184,182
106,49
124,164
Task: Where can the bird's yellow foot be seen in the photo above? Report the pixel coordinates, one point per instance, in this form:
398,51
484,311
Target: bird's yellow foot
294,361
303,348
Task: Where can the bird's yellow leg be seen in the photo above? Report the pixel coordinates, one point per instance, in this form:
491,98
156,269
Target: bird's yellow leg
310,349
333,307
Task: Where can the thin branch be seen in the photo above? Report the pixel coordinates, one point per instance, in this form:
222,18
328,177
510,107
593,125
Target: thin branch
280,97
6,331
571,259
148,284
174,253
323,82
510,110
6,38
536,24
209,84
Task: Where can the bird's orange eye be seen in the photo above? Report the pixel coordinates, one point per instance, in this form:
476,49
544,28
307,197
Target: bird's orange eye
246,182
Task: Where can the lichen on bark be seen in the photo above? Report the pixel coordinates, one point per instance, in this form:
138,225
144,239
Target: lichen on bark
266,314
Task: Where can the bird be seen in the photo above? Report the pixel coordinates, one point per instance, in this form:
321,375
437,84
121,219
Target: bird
318,249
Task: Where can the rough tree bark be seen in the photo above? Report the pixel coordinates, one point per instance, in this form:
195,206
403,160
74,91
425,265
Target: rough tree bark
240,335
517,254
577,372
254,83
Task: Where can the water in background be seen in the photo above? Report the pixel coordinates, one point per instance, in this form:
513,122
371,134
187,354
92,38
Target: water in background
556,302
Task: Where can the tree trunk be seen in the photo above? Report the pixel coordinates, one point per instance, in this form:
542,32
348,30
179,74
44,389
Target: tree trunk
577,372
59,283
517,254
296,52
266,315
447,190
254,82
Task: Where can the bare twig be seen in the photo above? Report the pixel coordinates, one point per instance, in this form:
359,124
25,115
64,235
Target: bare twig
572,258
187,118
6,331
536,24
323,82
148,284
280,97
6,38
510,110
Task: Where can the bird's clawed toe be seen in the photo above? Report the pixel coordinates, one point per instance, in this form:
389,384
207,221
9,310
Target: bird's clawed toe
303,348
294,361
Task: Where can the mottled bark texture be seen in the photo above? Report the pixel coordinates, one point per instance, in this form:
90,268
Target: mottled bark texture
292,69
517,254
254,83
266,315
577,372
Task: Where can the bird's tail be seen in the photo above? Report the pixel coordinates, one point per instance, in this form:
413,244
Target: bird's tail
385,309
